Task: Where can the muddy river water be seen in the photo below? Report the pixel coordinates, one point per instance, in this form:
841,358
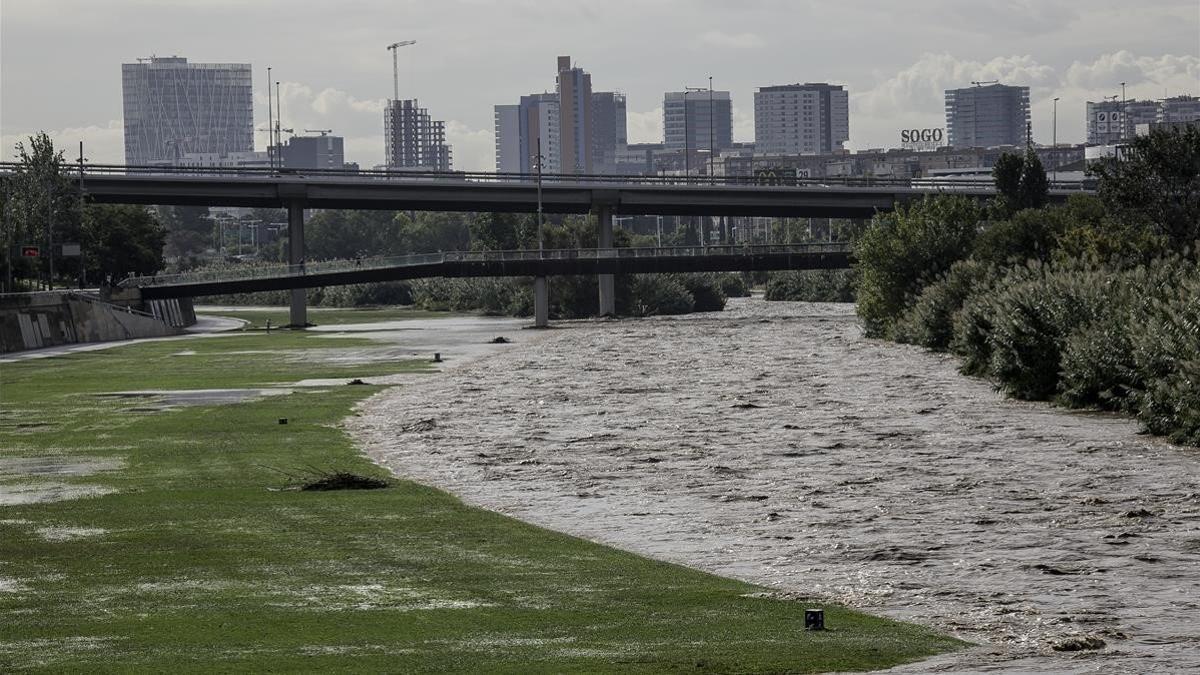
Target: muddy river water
773,443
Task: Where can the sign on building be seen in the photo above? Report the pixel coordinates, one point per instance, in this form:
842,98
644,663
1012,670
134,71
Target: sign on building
922,140
780,176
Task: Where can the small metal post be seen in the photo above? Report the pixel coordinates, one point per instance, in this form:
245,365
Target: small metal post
814,619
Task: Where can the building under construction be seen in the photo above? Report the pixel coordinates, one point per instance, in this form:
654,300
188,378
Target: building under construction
412,139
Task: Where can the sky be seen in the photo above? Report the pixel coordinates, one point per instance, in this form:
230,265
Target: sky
60,60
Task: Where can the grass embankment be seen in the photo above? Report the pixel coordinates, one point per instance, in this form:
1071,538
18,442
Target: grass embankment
194,563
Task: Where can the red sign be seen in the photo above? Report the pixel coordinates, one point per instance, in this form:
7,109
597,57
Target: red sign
30,251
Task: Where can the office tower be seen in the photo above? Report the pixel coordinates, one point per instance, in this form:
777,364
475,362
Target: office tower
174,108
575,117
314,152
519,130
1104,125
801,119
412,140
609,130
987,115
1179,109
690,112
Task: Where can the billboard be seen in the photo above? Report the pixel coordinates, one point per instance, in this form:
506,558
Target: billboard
922,139
780,176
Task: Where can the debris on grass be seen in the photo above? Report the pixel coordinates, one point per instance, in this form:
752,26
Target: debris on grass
500,340
345,481
355,381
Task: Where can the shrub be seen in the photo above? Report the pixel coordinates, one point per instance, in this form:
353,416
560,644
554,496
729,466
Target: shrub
812,286
930,321
707,295
733,285
905,250
652,294
1167,354
362,295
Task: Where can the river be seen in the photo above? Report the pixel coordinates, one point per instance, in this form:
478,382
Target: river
773,443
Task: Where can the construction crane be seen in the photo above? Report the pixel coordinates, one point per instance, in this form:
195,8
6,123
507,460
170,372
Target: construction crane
980,84
395,47
323,132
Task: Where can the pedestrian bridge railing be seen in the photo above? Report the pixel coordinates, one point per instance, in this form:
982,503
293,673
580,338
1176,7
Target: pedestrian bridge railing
253,271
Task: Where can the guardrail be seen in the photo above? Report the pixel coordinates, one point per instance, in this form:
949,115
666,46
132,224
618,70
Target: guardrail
259,271
936,182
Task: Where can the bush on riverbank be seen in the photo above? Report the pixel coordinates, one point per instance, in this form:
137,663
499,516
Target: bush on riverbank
1090,304
574,297
354,295
812,286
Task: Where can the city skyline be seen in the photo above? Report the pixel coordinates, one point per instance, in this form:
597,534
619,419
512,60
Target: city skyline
342,80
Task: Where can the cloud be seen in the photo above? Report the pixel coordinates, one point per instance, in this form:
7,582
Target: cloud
645,127
474,149
101,145
718,38
1180,73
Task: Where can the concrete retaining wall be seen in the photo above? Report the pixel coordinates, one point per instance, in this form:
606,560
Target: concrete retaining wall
36,320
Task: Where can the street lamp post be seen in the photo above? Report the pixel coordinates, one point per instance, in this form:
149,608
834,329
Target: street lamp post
541,293
1054,141
711,132
1124,114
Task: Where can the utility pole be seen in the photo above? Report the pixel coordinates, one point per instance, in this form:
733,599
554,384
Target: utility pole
1054,141
541,291
395,48
270,122
711,133
82,272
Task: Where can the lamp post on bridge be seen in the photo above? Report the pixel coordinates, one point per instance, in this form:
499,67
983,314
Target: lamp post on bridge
541,292
687,160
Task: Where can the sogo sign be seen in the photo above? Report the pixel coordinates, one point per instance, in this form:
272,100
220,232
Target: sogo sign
921,139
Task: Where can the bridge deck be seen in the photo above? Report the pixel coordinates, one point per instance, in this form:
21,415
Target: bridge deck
244,279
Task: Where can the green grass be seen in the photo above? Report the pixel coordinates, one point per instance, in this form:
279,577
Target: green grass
198,562
323,316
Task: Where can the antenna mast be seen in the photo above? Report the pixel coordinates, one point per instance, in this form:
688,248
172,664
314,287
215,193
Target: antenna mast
395,47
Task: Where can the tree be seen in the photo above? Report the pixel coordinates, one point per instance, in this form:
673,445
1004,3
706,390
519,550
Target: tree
1157,181
122,239
903,251
1020,182
41,209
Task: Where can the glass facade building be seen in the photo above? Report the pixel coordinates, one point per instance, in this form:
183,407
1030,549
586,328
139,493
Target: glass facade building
174,108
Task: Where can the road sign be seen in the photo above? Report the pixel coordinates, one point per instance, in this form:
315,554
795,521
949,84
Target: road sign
30,251
70,250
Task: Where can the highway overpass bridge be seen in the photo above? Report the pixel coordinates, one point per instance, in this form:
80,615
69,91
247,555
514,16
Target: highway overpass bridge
604,196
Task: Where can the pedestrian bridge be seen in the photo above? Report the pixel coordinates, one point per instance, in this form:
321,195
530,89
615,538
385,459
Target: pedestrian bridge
248,278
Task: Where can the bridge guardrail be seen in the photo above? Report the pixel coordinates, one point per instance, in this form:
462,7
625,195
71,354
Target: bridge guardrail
935,182
249,272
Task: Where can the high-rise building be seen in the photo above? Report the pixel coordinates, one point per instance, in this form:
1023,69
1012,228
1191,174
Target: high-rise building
522,129
174,108
610,133
1179,109
801,119
1104,126
986,116
702,119
314,152
412,140
575,117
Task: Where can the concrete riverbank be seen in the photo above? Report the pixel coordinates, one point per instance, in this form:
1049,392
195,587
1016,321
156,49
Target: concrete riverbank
772,443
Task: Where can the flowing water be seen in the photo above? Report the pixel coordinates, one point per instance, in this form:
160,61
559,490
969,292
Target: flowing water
773,443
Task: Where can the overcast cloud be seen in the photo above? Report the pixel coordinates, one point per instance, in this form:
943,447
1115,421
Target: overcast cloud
60,59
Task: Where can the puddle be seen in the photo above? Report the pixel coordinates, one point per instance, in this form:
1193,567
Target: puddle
165,399
39,493
866,473
58,466
57,534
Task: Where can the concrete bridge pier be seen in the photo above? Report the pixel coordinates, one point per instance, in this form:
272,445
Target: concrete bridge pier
608,300
541,303
299,302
